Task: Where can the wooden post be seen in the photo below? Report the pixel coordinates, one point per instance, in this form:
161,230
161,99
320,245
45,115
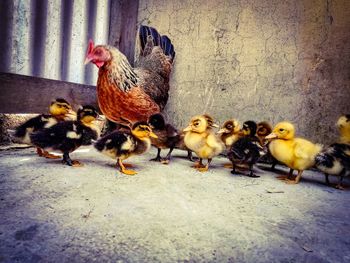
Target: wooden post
123,26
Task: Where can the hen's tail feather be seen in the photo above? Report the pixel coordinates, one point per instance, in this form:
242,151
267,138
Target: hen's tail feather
163,41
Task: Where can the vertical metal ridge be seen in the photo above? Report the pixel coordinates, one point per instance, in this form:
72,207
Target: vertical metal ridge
66,32
6,21
38,19
91,28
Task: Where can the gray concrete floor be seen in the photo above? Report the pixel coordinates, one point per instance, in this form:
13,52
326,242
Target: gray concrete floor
56,213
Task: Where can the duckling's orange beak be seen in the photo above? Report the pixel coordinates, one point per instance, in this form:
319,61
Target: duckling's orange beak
153,135
215,125
222,130
271,136
187,129
71,115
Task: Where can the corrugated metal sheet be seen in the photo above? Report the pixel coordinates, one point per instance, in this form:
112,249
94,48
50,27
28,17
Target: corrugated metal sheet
48,38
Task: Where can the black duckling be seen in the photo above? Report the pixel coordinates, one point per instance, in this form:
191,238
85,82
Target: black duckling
245,150
60,110
335,160
168,136
67,136
121,145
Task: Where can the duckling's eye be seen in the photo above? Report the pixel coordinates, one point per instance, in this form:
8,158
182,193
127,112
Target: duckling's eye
229,126
196,123
281,130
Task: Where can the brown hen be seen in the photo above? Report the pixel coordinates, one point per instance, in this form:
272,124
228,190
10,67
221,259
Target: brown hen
125,94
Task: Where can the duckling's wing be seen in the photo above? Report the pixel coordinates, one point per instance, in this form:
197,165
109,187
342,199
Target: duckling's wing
171,131
305,149
121,141
342,152
35,124
55,135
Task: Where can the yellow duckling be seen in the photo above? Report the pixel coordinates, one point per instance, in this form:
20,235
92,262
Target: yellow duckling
297,153
343,125
201,139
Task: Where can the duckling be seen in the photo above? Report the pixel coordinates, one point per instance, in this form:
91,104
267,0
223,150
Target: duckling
297,153
168,136
60,110
264,128
67,136
230,132
200,138
335,159
343,125
121,145
246,149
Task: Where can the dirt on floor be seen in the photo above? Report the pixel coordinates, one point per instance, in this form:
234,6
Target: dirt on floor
165,213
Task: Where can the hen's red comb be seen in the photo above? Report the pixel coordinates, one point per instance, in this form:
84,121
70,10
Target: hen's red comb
90,47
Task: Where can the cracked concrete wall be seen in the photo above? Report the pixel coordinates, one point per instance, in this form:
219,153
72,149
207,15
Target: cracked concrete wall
261,60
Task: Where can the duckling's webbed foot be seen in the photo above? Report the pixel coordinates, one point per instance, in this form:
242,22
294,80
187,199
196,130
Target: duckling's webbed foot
166,160
198,164
296,180
68,161
251,173
228,165
289,177
124,170
158,157
50,155
204,168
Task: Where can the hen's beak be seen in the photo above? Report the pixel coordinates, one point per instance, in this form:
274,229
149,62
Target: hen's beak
87,60
223,130
271,136
153,135
187,129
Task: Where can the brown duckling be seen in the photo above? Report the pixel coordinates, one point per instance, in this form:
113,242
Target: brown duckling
167,136
230,132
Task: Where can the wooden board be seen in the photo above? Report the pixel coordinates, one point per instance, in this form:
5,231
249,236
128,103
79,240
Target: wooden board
123,26
24,94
